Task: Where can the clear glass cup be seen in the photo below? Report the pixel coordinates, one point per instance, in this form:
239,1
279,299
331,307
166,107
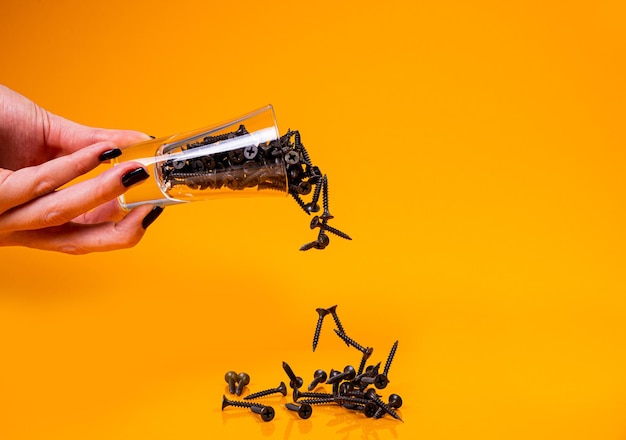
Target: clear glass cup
240,157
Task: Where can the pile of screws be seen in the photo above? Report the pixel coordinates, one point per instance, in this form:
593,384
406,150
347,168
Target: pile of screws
352,389
264,167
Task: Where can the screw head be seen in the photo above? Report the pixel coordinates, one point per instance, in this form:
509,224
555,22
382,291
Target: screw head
305,411
370,409
282,388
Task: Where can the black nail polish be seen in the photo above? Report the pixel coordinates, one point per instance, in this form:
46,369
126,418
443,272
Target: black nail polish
153,137
152,216
110,154
134,176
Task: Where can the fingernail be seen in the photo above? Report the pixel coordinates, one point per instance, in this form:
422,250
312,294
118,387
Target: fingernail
134,176
152,216
153,137
110,154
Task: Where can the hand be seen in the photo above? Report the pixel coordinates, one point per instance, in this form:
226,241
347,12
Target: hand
39,153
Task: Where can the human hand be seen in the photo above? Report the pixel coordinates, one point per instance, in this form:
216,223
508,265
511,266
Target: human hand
39,153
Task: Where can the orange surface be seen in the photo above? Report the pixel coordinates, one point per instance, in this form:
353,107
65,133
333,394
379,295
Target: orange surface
475,152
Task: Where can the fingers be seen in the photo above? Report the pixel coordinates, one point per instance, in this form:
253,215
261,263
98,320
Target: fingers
75,238
68,136
30,183
62,206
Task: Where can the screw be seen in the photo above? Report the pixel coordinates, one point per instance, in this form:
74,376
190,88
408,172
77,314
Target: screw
266,412
304,410
326,215
366,355
316,222
333,312
295,381
318,376
318,327
369,409
282,389
395,402
231,379
348,374
244,380
371,394
351,341
390,358
297,394
313,206
380,381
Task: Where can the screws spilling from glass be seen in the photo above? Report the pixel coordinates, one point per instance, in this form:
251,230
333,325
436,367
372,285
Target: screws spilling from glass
262,167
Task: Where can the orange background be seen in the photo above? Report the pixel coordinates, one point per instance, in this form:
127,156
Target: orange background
475,153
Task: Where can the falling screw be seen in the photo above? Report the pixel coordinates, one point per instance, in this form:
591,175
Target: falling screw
244,380
318,327
317,222
304,410
282,389
333,312
312,206
351,341
295,381
326,215
231,379
318,376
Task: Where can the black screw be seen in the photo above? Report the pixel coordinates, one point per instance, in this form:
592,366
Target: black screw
326,215
294,381
333,312
304,410
318,377
371,394
244,380
317,222
351,341
394,401
348,374
380,381
297,394
231,378
390,358
266,412
366,355
282,389
318,327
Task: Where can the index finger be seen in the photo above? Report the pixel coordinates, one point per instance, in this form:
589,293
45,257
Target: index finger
25,184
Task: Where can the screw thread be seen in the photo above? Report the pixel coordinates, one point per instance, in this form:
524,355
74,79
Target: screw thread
392,353
318,327
333,312
263,393
237,403
386,408
350,341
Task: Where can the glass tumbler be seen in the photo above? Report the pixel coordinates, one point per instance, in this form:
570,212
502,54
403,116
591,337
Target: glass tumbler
241,157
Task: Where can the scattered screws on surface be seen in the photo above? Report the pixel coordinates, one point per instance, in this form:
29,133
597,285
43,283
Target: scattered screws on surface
294,381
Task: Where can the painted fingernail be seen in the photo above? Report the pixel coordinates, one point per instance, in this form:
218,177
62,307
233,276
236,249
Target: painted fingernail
110,154
153,137
134,176
152,216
